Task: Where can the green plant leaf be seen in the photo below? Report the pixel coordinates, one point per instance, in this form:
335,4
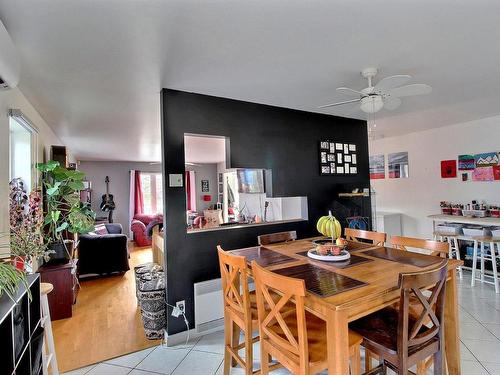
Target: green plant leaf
47,167
54,189
76,185
62,227
55,215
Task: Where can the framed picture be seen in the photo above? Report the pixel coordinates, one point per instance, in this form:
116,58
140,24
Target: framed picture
204,186
337,158
398,165
377,167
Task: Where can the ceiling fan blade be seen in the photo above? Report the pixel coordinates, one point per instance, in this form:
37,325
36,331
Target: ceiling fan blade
391,82
348,91
339,103
391,103
410,90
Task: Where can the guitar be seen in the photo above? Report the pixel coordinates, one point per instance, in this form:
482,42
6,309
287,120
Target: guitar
107,203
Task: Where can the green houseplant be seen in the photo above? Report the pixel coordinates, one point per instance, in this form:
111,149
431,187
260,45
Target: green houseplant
10,278
64,212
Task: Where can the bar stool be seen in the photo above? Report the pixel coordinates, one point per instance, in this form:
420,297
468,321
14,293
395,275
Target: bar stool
49,353
492,241
454,251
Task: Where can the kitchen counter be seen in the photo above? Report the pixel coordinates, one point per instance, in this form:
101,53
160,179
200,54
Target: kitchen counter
240,226
483,221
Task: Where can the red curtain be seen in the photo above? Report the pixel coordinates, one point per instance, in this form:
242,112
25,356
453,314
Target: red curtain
188,190
138,199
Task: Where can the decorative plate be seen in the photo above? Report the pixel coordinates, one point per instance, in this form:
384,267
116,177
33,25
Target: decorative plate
344,255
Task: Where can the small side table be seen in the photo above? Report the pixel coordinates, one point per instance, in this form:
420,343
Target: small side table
62,298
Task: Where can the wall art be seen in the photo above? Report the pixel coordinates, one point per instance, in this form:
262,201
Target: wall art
377,167
487,159
397,164
496,172
448,168
483,174
466,162
337,158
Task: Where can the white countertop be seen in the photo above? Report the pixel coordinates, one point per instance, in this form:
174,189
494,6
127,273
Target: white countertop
240,226
486,221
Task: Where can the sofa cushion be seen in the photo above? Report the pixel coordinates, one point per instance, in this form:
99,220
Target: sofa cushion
101,229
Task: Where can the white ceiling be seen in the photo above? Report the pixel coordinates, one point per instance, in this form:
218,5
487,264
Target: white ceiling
94,69
204,150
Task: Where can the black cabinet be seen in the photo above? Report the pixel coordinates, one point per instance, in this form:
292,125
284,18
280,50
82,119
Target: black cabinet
21,333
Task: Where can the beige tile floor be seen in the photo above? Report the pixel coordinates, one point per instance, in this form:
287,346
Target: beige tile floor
480,336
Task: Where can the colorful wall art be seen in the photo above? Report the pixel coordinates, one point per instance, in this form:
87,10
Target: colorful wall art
398,165
496,172
337,158
485,165
377,167
487,159
466,162
448,168
483,174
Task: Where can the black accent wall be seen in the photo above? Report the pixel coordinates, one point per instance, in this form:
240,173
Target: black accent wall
261,136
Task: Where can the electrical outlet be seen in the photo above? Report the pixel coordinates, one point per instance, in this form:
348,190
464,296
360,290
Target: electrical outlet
181,305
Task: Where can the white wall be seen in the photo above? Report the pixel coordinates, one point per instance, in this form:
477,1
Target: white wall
419,195
119,176
14,99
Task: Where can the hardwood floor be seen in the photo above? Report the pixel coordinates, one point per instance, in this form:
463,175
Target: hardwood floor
106,321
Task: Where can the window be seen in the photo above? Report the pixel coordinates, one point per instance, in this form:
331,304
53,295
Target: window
152,192
22,144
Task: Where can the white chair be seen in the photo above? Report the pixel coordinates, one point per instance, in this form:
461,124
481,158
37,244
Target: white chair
49,351
492,257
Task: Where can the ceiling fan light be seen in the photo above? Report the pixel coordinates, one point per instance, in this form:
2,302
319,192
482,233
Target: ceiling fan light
372,103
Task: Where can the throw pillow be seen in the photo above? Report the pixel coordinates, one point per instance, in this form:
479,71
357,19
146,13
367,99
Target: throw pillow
101,229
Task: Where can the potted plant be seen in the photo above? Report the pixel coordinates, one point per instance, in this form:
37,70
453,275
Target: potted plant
10,278
26,227
64,212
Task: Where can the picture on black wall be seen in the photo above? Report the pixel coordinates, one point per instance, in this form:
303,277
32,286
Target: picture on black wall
337,158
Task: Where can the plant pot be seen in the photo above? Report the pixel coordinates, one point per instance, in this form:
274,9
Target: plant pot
60,254
19,262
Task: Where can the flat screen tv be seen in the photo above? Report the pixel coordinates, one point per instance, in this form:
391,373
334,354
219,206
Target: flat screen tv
250,181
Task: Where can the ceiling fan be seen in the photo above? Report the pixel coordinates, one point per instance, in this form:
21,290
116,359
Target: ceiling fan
385,94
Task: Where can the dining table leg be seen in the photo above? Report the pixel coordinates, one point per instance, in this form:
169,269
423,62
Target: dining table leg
451,325
337,328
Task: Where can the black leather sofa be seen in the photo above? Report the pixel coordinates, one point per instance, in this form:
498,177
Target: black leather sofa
103,254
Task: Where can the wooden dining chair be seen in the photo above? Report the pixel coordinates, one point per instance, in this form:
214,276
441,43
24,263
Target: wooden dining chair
435,248
377,238
294,337
401,340
239,315
268,239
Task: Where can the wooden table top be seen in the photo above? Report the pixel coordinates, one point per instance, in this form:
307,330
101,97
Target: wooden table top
378,278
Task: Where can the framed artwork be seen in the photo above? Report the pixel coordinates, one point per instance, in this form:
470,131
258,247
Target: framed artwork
487,159
466,162
204,186
397,164
448,168
483,174
496,172
377,167
337,158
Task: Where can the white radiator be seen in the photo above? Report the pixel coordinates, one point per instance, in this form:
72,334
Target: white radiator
208,306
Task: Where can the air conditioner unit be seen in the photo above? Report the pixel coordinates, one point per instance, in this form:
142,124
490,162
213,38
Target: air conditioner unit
9,61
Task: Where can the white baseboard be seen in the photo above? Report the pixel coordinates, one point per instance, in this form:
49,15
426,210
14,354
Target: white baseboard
180,338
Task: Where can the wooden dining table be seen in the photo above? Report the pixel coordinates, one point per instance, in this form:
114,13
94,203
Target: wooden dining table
341,292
